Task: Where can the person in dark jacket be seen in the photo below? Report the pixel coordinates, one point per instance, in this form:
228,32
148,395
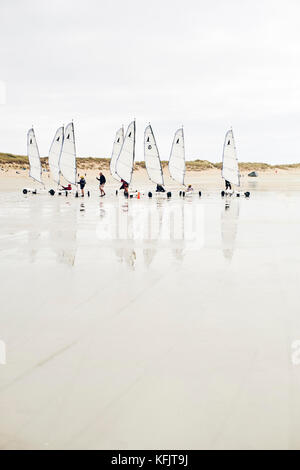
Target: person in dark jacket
227,185
125,187
102,181
82,184
160,189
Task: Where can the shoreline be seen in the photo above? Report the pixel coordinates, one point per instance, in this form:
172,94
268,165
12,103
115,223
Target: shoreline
205,180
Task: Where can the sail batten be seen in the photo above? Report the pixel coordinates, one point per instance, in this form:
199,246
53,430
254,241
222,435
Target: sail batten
230,167
55,154
118,142
152,159
67,161
177,157
125,160
33,153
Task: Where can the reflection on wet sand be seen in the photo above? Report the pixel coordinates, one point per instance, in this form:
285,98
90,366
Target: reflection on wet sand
127,256
102,212
154,226
52,227
96,349
35,213
62,233
150,251
133,230
229,225
178,249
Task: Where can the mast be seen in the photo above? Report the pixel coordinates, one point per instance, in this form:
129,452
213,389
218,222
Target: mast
177,157
55,154
118,142
125,160
68,167
152,159
230,167
33,153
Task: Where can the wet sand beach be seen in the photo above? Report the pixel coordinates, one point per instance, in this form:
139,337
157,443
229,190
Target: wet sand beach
151,323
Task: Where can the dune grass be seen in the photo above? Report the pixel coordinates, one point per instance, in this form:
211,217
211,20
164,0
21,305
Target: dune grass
9,160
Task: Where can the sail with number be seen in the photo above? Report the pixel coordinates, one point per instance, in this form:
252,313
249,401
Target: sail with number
177,157
125,160
68,155
119,139
55,154
230,168
152,160
34,157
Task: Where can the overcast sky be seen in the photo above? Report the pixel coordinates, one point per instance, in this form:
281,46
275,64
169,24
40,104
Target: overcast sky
208,65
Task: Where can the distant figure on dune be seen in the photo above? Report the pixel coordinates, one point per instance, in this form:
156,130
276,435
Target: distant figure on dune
227,185
82,184
160,189
102,181
189,189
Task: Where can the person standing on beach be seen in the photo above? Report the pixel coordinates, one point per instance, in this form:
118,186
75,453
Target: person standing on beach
227,185
102,181
125,187
160,188
82,184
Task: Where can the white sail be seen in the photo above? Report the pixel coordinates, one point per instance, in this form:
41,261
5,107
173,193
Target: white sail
177,158
119,139
152,160
55,153
34,157
230,168
68,155
125,160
